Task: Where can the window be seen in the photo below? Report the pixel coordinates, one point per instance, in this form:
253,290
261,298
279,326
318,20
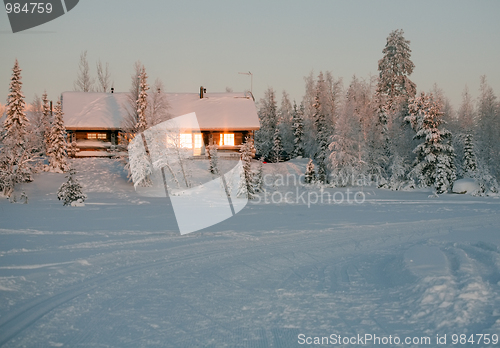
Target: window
100,136
187,140
198,140
227,139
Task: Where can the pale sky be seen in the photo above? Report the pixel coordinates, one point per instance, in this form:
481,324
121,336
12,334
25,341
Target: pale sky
191,43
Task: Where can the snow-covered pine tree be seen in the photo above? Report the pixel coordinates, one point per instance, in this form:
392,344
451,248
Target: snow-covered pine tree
16,122
57,151
466,114
142,102
286,125
259,177
35,116
322,133
469,160
348,156
399,169
16,155
71,190
445,173
277,146
298,131
434,165
394,69
213,159
268,122
246,185
47,121
310,175
381,141
488,129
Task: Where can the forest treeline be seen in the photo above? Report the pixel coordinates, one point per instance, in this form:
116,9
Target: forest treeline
381,131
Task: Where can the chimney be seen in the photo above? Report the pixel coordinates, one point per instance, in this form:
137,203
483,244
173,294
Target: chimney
112,90
202,91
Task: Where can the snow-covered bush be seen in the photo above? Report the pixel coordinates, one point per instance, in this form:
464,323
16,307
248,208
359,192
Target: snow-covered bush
310,175
71,190
467,185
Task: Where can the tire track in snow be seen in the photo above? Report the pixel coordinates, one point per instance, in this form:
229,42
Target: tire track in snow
307,242
14,323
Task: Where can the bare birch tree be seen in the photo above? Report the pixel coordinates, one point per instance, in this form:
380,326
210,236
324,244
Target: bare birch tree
103,77
84,82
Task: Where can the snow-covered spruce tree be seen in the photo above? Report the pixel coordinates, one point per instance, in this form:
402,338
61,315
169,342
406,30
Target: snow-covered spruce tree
348,149
36,127
142,102
246,185
379,146
434,165
258,177
57,151
277,146
399,169
47,121
268,122
322,134
213,159
16,153
298,131
71,190
394,89
394,69
466,114
286,125
445,173
469,161
16,122
132,118
488,129
310,175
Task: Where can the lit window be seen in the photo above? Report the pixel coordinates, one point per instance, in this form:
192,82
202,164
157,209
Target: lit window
101,136
91,136
227,139
198,140
187,141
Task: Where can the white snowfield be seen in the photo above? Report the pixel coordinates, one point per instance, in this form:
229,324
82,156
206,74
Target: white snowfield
117,273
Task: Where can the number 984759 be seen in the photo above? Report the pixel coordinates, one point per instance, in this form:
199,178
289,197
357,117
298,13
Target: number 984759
32,7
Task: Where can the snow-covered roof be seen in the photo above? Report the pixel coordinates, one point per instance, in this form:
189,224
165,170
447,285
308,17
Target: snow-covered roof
215,111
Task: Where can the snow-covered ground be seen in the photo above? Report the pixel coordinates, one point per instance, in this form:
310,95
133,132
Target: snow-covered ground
116,272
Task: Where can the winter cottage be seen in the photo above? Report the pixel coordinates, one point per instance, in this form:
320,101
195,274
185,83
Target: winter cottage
94,120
